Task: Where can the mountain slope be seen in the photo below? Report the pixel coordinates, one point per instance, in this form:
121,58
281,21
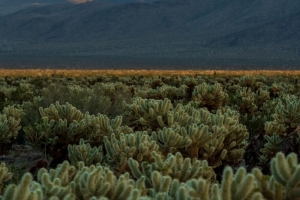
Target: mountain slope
187,29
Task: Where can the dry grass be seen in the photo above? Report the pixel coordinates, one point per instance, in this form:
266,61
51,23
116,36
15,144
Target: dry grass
79,73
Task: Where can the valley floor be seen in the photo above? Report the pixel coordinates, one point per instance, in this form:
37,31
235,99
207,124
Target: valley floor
80,73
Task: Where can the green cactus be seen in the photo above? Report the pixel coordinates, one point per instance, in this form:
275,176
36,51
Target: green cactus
287,112
26,190
154,115
248,81
102,126
55,188
175,118
10,124
282,133
59,126
238,186
199,189
11,111
63,125
97,181
211,96
272,146
166,189
57,183
170,140
5,135
143,113
216,137
4,176
244,101
64,172
85,153
272,127
200,139
199,136
59,123
160,184
286,171
57,112
230,143
280,88
137,145
175,166
270,189
261,97
162,92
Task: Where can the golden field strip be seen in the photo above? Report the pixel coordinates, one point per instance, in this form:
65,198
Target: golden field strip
83,73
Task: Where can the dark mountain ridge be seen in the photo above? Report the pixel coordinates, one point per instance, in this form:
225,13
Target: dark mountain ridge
186,29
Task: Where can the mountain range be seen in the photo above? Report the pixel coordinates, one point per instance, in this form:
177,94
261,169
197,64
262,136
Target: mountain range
189,33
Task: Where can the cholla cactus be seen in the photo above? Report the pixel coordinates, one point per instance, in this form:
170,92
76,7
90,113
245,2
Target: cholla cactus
85,153
213,97
154,115
163,92
238,186
174,178
200,188
4,176
177,117
282,133
272,127
9,127
10,123
144,112
166,188
161,186
55,188
64,172
281,88
261,97
287,112
196,133
137,145
270,189
26,190
57,183
11,111
62,125
102,126
244,100
230,143
248,81
97,181
272,146
57,112
106,125
175,166
199,136
59,123
170,139
286,171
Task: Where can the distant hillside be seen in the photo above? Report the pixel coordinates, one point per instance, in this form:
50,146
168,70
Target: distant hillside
265,30
12,6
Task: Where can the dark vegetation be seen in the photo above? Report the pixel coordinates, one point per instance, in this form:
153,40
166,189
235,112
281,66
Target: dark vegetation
222,120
